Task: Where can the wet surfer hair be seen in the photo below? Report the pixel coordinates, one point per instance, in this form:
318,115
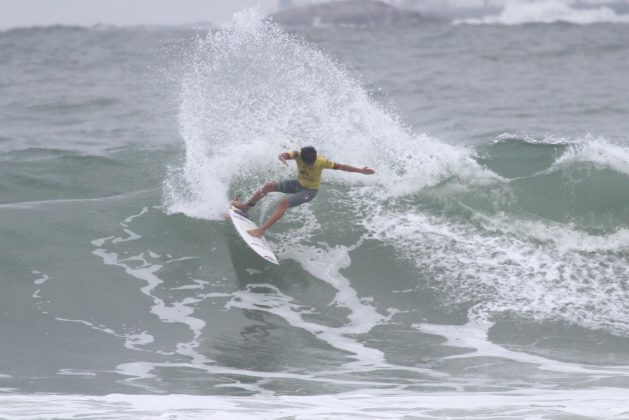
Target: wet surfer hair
308,154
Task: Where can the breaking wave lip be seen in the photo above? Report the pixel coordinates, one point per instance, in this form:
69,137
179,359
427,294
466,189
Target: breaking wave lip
547,12
599,152
565,238
524,138
596,151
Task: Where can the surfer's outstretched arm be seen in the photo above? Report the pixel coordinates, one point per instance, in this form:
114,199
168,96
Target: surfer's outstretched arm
350,168
283,157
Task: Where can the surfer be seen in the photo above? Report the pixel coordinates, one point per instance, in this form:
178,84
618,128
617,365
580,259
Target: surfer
300,190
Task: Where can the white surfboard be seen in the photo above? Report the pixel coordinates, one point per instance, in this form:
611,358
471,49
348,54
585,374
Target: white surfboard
243,223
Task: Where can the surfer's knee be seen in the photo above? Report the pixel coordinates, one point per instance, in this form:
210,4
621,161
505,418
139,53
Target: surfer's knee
284,204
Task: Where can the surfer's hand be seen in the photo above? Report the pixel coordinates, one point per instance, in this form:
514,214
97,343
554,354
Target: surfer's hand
282,158
367,171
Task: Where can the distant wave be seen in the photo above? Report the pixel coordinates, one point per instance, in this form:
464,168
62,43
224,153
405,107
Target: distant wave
599,152
47,28
547,140
99,27
548,12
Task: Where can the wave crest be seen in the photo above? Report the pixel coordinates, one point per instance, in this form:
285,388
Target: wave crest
517,13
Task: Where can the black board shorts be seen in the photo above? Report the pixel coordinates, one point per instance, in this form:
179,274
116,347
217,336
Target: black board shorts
298,194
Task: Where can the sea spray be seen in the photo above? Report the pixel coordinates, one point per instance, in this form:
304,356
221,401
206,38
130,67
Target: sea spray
250,90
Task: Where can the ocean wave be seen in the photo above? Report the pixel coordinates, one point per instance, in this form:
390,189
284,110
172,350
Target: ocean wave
564,227
524,138
581,182
598,152
566,153
520,13
499,273
564,237
250,90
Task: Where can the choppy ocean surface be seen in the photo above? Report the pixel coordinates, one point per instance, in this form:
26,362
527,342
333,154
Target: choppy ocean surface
483,272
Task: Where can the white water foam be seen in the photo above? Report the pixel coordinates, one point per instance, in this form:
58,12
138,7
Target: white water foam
471,265
273,301
145,267
132,341
326,264
549,11
563,237
41,280
473,337
178,312
265,298
531,404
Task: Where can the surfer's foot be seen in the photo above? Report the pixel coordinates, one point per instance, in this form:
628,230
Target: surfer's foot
256,233
240,206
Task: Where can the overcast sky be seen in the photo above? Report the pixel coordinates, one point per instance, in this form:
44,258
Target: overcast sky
19,13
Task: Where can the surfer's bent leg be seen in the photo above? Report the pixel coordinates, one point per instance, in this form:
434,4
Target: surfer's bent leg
266,188
300,196
277,215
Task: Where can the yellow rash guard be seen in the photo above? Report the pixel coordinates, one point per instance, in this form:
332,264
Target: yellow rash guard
310,175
